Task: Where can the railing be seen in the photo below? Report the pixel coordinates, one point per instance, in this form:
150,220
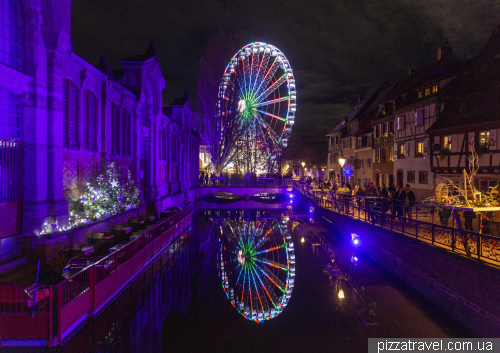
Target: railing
390,214
258,182
55,310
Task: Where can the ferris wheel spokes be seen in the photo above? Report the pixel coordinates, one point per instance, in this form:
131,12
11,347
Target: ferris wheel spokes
276,84
271,115
273,101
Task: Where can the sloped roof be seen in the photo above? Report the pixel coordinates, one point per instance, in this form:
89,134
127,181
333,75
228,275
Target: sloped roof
361,107
179,101
480,82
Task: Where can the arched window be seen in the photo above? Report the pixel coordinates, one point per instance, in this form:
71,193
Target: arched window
115,129
89,121
163,144
70,114
126,133
10,115
12,34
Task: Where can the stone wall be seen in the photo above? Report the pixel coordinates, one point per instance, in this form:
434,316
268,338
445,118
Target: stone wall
466,288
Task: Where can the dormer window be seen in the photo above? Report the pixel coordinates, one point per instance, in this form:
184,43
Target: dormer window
419,94
434,89
427,91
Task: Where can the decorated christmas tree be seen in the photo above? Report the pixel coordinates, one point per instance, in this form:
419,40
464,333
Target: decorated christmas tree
108,193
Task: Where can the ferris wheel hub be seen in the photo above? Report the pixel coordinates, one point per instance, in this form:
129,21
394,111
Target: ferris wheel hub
242,105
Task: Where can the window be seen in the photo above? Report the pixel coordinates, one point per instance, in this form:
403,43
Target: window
419,148
126,133
419,117
419,94
446,142
434,89
391,127
423,177
377,155
391,154
410,176
427,91
10,116
89,121
163,144
484,139
383,155
369,162
384,130
401,150
12,34
115,129
142,146
70,114
401,122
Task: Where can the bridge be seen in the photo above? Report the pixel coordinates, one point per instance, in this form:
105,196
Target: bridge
246,187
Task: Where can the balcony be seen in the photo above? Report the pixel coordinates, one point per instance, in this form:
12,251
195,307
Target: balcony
383,141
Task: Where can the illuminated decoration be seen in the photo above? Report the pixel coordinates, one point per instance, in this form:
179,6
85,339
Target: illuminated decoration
348,172
256,266
302,240
258,89
341,294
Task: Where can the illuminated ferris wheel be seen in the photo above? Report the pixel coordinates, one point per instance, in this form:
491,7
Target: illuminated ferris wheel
257,267
258,89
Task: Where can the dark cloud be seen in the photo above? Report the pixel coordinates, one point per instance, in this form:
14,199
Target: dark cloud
338,49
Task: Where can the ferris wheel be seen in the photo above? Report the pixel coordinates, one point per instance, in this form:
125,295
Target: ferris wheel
258,89
257,267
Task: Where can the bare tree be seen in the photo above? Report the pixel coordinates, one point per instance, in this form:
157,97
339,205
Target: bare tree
219,132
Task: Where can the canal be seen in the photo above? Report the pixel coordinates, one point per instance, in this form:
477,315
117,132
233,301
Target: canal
259,280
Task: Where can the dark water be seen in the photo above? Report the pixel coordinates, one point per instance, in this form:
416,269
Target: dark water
188,307
375,303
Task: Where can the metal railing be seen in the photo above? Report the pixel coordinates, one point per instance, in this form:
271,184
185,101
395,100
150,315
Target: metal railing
390,214
55,310
258,182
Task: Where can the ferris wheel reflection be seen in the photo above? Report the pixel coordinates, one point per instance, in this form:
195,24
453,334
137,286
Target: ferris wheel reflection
256,265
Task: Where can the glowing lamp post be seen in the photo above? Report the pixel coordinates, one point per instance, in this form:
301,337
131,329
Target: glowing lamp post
341,162
341,294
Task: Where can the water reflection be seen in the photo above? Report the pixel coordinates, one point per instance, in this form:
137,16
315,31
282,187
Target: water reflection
256,265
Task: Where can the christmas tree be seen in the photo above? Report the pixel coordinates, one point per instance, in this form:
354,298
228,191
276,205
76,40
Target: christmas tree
107,194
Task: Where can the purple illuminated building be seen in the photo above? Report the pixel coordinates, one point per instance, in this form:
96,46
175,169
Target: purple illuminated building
58,112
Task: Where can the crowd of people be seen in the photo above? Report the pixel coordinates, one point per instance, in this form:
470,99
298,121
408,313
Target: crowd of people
402,203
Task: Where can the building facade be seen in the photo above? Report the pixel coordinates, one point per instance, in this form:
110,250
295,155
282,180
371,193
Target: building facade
470,121
59,114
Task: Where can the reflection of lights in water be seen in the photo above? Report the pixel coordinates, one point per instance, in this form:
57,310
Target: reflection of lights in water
341,294
356,241
257,266
354,259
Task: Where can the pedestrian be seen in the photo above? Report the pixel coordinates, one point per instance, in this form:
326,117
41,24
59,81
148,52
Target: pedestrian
407,199
202,177
396,205
391,188
469,216
349,186
444,216
485,218
496,221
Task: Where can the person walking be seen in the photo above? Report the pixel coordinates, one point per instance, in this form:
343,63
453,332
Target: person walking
396,205
444,216
469,216
407,199
496,221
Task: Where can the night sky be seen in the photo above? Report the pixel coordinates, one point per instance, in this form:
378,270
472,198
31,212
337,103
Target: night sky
337,48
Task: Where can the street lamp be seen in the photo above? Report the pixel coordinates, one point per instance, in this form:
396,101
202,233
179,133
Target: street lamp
303,171
341,162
